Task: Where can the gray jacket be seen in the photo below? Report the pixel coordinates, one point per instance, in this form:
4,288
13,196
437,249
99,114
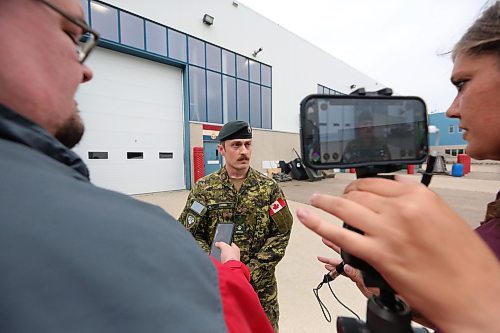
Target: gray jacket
77,258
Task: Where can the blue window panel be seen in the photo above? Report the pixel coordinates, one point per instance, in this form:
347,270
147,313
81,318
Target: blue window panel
320,89
243,101
105,20
132,30
254,71
266,75
228,63
213,57
241,67
156,38
255,114
197,94
266,108
85,6
177,45
214,97
196,52
229,98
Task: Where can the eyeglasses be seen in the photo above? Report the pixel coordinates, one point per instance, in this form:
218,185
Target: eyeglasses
88,38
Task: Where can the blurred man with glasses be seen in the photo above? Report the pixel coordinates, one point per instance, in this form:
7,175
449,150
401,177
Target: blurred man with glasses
75,257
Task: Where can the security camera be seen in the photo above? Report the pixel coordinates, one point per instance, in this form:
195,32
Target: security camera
257,52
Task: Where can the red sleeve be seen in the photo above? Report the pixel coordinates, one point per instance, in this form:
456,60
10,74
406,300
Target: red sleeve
242,310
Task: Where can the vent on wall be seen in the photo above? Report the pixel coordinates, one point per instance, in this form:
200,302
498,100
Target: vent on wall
166,155
135,155
98,155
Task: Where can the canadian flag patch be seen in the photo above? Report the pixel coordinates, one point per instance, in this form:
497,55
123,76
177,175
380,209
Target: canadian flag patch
277,206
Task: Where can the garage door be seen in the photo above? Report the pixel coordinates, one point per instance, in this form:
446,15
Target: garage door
133,113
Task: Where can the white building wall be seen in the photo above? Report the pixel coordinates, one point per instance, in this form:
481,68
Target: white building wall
132,105
297,65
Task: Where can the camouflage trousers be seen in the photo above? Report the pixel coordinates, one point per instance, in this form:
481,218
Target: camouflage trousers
271,308
268,296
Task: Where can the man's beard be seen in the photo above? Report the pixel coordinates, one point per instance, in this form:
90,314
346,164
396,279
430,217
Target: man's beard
71,132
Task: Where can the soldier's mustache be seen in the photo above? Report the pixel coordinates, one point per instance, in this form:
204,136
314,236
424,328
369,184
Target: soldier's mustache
243,158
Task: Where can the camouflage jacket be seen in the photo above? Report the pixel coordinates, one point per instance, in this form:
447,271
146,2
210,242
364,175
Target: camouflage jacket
359,151
262,223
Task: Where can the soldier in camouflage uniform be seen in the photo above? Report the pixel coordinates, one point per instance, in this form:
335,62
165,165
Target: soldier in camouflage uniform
365,146
358,150
253,202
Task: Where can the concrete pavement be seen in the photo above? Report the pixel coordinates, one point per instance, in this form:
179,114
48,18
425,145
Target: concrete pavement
299,271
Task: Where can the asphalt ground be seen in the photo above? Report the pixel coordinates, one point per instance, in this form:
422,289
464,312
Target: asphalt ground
299,271
468,195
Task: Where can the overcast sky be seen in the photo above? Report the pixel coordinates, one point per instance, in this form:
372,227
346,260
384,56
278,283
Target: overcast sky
396,42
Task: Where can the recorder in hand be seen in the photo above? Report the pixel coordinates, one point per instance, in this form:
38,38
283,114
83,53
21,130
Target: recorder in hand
223,233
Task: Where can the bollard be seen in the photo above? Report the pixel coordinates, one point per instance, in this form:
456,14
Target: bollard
457,170
198,163
465,160
410,169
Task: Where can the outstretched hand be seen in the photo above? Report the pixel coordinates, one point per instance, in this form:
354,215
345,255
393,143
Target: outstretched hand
426,252
349,271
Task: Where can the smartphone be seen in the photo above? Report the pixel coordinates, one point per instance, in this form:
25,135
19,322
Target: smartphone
223,233
344,131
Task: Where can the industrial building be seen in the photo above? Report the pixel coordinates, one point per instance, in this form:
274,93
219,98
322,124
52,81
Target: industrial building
168,74
448,139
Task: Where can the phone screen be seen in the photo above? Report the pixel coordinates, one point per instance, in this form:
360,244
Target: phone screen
349,131
223,233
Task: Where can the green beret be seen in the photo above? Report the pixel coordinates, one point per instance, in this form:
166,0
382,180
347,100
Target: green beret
235,130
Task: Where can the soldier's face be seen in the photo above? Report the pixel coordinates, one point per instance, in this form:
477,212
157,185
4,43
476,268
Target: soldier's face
365,129
237,153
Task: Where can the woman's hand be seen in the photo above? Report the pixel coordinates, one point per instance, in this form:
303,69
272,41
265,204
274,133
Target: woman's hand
423,249
349,271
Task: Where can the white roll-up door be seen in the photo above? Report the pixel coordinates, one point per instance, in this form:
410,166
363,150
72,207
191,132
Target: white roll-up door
133,113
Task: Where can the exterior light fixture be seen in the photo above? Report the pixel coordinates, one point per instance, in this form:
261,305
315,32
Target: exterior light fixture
257,52
208,20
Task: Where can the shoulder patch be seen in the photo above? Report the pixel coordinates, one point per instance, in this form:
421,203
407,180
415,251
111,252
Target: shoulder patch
277,206
190,221
281,215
